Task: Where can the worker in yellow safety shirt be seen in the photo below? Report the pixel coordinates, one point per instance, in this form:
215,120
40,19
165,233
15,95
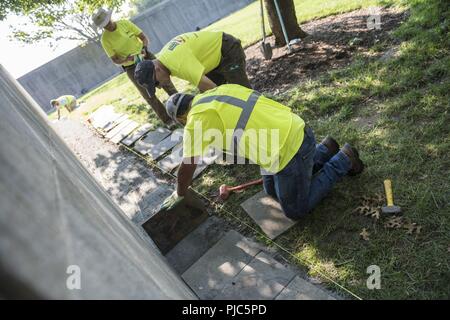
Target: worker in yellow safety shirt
126,45
205,59
296,172
69,102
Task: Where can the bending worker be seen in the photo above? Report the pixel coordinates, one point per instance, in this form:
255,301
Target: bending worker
297,172
205,59
127,45
69,102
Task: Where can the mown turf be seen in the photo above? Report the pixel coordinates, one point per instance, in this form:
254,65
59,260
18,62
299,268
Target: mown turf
397,113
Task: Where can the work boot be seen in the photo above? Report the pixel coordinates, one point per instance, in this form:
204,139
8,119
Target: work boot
331,144
357,164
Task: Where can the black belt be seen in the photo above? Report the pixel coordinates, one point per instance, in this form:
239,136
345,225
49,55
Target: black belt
129,67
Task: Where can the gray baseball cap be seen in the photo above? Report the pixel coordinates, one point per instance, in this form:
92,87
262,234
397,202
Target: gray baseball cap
144,74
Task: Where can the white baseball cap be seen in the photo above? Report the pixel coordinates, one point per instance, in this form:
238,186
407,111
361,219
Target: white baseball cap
101,17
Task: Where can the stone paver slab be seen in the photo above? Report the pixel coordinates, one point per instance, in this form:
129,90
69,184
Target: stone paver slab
204,162
262,279
112,124
118,128
300,289
108,120
145,145
103,109
219,265
136,135
267,213
173,160
191,248
165,145
124,132
101,116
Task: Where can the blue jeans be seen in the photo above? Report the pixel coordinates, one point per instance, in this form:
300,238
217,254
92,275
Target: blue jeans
307,178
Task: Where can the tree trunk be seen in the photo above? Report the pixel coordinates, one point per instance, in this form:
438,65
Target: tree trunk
293,29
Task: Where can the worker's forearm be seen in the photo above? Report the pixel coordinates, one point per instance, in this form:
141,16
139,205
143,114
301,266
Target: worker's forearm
206,84
185,174
144,39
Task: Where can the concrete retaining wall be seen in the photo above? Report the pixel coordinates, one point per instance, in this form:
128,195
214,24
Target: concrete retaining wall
84,68
54,215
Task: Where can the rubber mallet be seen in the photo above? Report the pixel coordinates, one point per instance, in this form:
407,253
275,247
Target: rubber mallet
390,208
225,191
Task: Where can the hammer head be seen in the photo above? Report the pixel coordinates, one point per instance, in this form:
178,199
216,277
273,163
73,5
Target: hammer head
391,209
224,193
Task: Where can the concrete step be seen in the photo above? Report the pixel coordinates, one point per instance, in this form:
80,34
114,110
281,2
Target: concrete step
236,268
301,289
263,278
219,265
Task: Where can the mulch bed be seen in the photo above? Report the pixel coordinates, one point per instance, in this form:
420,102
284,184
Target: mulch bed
331,44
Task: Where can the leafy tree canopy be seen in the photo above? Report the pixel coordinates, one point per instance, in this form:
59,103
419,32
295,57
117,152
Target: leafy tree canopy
54,19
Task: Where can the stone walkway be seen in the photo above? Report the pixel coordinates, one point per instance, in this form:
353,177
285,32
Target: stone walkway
217,263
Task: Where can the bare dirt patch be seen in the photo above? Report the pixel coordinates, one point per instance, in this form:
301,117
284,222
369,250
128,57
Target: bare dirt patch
331,44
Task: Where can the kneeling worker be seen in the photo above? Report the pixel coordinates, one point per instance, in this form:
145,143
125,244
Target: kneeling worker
69,102
205,59
298,173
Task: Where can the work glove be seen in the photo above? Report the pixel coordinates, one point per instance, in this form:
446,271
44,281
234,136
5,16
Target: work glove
171,201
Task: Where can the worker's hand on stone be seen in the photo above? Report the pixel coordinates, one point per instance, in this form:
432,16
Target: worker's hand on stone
171,201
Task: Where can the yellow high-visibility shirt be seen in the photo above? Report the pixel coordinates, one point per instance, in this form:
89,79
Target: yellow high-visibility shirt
191,55
271,138
123,41
65,100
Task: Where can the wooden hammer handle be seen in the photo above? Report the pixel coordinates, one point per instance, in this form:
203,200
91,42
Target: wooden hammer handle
245,185
388,190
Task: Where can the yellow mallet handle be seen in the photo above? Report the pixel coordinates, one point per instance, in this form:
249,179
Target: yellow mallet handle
388,190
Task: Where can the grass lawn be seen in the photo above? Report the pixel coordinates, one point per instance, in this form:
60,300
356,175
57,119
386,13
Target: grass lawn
397,112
